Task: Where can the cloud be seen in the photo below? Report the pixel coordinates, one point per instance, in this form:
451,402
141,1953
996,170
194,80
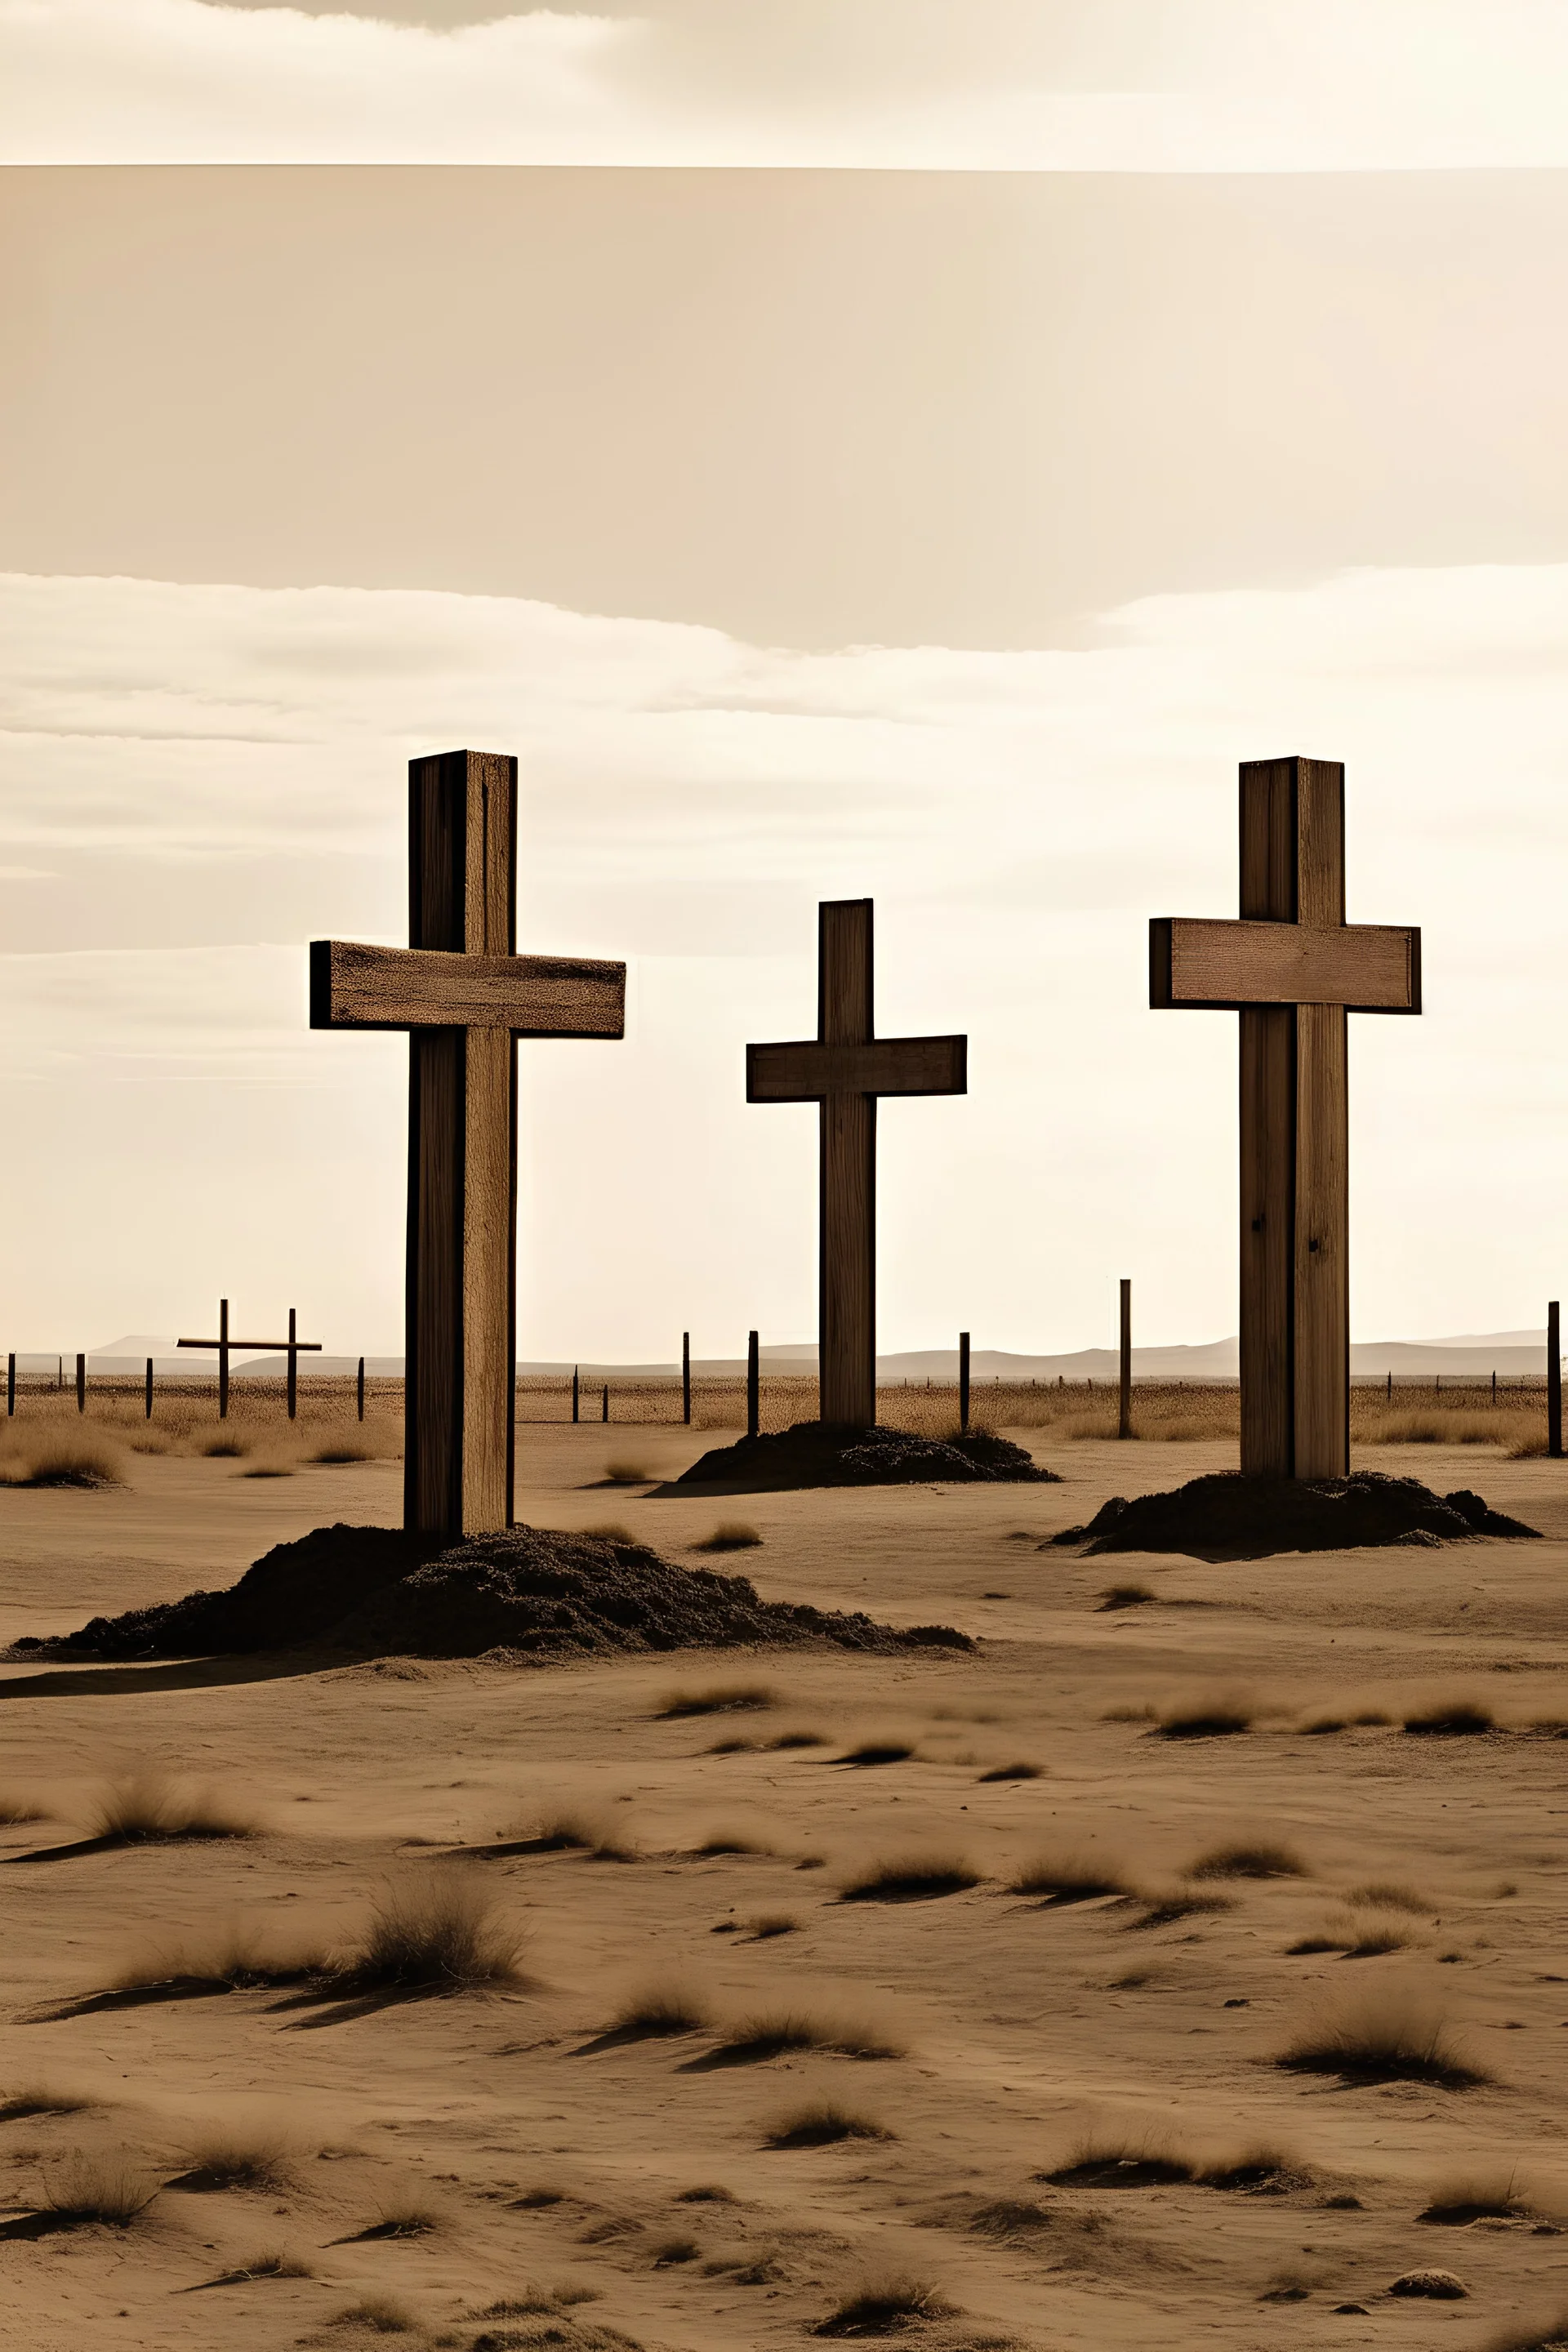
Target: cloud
1018,816
1220,85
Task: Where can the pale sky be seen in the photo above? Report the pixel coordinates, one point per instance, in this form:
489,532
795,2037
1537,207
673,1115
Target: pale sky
943,533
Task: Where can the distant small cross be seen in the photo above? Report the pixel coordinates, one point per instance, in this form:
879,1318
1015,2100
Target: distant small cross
1292,968
292,1347
845,1068
465,996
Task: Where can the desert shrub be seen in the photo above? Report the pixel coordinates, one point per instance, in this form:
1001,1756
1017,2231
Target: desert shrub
1130,1710
15,1808
1125,1596
1359,1934
629,1474
1019,1770
270,1460
766,1925
147,1807
883,2302
228,1958
439,1932
223,1444
272,2262
821,2123
1249,1857
1483,2193
730,1535
1071,1874
1260,2167
663,2006
407,2213
354,1441
114,2189
1389,2033
904,1877
798,1735
665,2252
1205,1715
718,1698
733,1837
769,2033
1388,1894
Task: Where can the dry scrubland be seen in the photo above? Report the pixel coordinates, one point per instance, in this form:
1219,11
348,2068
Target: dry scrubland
1185,1967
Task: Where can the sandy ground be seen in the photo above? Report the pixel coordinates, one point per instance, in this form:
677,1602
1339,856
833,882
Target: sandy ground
1027,2027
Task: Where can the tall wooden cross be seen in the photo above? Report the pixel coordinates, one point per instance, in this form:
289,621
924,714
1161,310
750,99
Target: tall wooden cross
465,996
845,1068
1292,968
292,1347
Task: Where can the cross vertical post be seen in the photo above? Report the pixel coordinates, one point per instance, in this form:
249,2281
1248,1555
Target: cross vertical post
293,1367
753,1388
1554,1381
1291,967
844,1069
147,1412
605,1413
574,1392
465,996
80,1381
964,1380
1125,1406
686,1378
359,1389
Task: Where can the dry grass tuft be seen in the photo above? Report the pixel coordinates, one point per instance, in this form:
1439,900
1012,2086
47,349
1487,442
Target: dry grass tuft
15,1808
271,2261
1111,2158
883,2302
440,1931
911,1876
223,1444
1163,1909
885,1751
822,2123
1260,2169
355,1441
1455,1715
377,2315
610,1531
664,2006
1249,1857
104,2188
1071,1874
1498,2193
799,1734
1021,1770
230,2157
1360,1935
1390,2033
718,1698
730,1535
733,1837
1388,1894
42,2099
766,1925
707,2192
1130,1710
629,1474
408,2213
149,1809
580,1829
770,2033
1207,1714
228,1958
57,1456
1125,1596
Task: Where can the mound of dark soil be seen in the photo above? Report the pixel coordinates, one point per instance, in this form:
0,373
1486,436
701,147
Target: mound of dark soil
1227,1517
811,1454
534,1591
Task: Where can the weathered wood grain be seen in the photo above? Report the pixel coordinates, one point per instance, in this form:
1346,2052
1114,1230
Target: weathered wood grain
1221,966
354,986
801,1070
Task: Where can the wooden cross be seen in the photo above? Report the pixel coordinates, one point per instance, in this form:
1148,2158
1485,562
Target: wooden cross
291,1347
845,1068
1292,968
465,996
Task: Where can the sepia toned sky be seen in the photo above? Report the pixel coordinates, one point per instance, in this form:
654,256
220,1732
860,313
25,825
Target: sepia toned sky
876,448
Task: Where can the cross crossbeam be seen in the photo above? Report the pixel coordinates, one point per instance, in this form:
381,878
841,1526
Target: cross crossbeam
465,996
844,1068
1292,968
292,1347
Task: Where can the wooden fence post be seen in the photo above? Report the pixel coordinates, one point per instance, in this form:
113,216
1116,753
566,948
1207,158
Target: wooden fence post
686,1378
576,1397
964,1380
754,1398
604,1403
148,1409
10,1383
1553,1383
80,1381
359,1389
1494,1384
1125,1406
1391,1386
